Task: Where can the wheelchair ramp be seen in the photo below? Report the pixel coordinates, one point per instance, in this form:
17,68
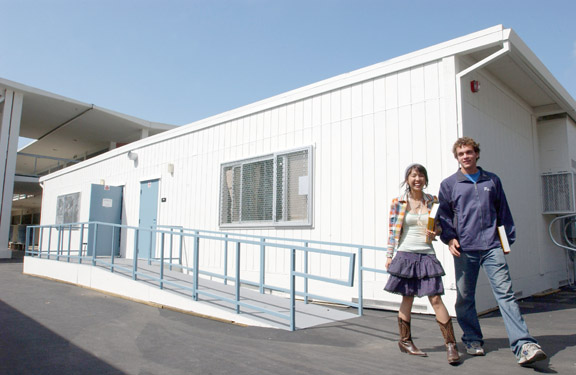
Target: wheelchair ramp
176,293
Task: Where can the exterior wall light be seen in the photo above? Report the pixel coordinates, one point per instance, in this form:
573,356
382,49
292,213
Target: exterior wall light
132,156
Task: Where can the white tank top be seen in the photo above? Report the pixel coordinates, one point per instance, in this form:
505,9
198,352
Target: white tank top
413,237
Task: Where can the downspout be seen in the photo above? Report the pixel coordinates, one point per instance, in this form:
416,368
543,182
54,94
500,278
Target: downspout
505,49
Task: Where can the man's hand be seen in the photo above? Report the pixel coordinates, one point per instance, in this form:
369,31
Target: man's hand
454,247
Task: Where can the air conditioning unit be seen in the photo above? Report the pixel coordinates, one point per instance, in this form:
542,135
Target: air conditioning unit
558,193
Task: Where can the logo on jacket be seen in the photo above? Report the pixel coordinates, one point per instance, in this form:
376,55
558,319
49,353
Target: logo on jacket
486,188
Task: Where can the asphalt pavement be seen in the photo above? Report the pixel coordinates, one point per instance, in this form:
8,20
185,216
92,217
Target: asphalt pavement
49,327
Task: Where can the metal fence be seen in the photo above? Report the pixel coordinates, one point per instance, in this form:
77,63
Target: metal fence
69,242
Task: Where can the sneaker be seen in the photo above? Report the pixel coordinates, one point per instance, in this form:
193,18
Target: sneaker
531,353
474,348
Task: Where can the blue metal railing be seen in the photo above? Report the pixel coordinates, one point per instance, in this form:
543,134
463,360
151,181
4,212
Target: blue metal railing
358,249
67,242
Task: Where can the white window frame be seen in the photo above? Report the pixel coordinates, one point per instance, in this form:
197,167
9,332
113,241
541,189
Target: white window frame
275,222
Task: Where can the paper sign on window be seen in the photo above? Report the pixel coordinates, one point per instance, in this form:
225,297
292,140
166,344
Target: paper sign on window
303,185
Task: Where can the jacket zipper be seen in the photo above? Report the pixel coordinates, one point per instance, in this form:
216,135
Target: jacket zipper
482,229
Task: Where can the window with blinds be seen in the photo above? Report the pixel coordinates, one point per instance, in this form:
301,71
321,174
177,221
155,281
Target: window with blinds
273,190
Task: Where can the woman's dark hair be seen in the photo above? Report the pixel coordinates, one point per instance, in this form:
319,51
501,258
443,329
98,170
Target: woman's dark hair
419,168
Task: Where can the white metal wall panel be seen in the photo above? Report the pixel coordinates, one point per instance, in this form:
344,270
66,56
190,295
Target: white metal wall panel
504,127
381,195
379,95
337,178
571,140
346,182
391,91
417,91
324,192
404,89
556,144
369,167
368,97
357,176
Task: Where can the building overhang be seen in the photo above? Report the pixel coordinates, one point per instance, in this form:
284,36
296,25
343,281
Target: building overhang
523,72
64,128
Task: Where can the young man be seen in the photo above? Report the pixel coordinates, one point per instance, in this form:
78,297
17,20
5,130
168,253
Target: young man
472,206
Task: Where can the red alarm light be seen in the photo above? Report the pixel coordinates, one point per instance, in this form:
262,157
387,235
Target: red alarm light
474,86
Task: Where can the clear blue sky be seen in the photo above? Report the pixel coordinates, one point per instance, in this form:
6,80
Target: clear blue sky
178,61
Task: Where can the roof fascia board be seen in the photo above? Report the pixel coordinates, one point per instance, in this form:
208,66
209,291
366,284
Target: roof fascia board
32,90
143,123
161,125
482,39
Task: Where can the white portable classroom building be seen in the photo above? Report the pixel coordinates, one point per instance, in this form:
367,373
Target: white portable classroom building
323,162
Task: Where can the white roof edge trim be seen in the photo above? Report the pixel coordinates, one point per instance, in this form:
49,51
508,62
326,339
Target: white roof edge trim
144,123
486,38
32,90
162,125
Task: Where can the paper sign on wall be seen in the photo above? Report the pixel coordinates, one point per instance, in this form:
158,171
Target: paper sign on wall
303,185
107,202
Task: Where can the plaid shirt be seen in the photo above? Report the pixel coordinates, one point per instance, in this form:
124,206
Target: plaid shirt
397,212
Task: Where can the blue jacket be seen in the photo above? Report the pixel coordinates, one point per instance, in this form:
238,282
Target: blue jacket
471,212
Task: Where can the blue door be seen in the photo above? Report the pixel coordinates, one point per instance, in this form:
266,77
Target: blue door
105,207
148,218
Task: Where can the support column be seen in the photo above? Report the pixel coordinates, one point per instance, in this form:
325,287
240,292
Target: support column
9,133
143,133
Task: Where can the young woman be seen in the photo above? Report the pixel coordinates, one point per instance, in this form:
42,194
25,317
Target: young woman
415,271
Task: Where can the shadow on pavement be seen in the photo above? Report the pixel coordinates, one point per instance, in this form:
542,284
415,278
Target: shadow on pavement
27,347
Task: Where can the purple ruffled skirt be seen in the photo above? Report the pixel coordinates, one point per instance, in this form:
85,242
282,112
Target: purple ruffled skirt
413,274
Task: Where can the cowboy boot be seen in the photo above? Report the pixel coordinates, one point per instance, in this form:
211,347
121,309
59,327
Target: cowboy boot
451,348
405,344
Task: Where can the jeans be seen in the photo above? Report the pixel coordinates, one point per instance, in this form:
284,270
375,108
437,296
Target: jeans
467,267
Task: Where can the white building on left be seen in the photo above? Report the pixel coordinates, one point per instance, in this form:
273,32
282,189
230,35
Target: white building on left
64,132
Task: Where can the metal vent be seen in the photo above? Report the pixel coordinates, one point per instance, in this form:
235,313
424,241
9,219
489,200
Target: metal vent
558,195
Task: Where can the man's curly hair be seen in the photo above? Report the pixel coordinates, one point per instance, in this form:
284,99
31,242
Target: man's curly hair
466,141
